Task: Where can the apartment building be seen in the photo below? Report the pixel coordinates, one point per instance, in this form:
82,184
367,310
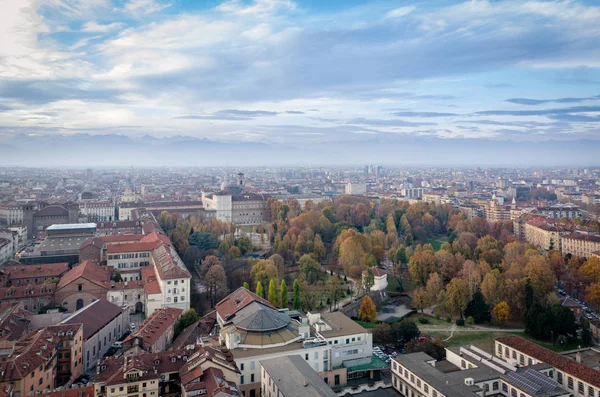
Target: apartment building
103,323
578,379
34,274
469,371
544,234
579,244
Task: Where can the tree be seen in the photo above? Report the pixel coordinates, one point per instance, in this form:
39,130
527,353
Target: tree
204,241
367,311
319,248
541,276
493,287
283,295
272,296
117,277
279,263
457,296
259,289
405,331
263,271
421,299
592,294
478,308
422,263
382,334
216,283
207,263
246,286
434,288
368,280
310,268
244,244
501,312
188,318
433,347
590,270
296,295
335,291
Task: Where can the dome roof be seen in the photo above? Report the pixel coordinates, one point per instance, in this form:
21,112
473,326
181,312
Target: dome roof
258,317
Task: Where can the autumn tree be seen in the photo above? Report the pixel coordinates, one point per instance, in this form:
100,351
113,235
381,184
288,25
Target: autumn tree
272,294
207,263
501,312
493,287
421,299
590,270
279,264
335,291
367,310
457,296
319,248
263,271
368,280
216,283
259,289
434,288
541,276
283,295
422,263
592,294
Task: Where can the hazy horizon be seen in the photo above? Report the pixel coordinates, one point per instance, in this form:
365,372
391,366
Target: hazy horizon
282,82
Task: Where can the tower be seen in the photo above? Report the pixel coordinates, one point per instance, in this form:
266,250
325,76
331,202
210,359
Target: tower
241,181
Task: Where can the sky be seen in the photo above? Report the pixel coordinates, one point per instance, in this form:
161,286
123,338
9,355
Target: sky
313,72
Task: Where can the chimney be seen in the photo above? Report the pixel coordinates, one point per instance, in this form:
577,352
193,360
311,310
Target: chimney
578,357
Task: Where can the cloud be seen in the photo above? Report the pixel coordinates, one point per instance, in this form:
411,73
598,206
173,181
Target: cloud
93,26
529,101
399,12
230,114
424,114
257,7
387,123
139,8
540,112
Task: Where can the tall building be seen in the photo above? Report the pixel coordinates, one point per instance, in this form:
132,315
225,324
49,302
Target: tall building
356,189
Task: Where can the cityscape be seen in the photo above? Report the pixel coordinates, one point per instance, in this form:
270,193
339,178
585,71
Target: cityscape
299,198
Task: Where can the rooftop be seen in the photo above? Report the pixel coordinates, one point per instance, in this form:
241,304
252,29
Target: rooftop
94,316
71,226
294,377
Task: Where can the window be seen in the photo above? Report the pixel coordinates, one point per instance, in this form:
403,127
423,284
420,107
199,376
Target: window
570,381
513,393
306,356
580,387
419,383
412,378
251,378
347,340
252,365
504,388
242,366
175,299
590,391
79,287
559,377
495,386
434,393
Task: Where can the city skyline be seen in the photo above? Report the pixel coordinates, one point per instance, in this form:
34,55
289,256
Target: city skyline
477,82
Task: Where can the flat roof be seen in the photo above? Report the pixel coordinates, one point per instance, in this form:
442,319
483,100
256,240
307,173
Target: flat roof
67,226
294,377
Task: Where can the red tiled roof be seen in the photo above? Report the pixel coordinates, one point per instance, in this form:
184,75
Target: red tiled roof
86,391
22,291
150,281
558,361
120,239
156,325
585,237
42,270
87,270
95,241
130,247
236,301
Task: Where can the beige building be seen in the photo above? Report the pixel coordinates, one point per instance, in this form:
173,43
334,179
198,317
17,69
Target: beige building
582,245
291,376
543,234
155,334
570,374
432,197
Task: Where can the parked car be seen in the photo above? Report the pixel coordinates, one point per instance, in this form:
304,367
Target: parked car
117,344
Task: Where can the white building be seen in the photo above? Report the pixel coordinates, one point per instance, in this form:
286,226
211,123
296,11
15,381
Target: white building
379,279
291,376
129,294
356,189
97,211
103,324
6,250
331,343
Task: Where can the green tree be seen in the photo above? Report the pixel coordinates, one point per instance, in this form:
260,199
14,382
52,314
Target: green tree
204,241
283,295
296,295
259,289
188,318
404,331
272,296
319,248
246,286
117,277
457,296
368,280
478,309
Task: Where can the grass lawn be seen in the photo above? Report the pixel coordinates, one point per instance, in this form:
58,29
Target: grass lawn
433,322
437,242
365,324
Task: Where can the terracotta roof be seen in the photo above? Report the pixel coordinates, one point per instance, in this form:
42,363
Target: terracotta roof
87,270
94,316
131,247
32,271
14,321
151,284
95,241
86,391
22,291
199,329
585,237
236,301
168,264
120,239
558,361
156,325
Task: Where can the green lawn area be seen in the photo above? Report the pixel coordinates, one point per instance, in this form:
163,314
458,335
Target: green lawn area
436,242
485,340
433,322
365,324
